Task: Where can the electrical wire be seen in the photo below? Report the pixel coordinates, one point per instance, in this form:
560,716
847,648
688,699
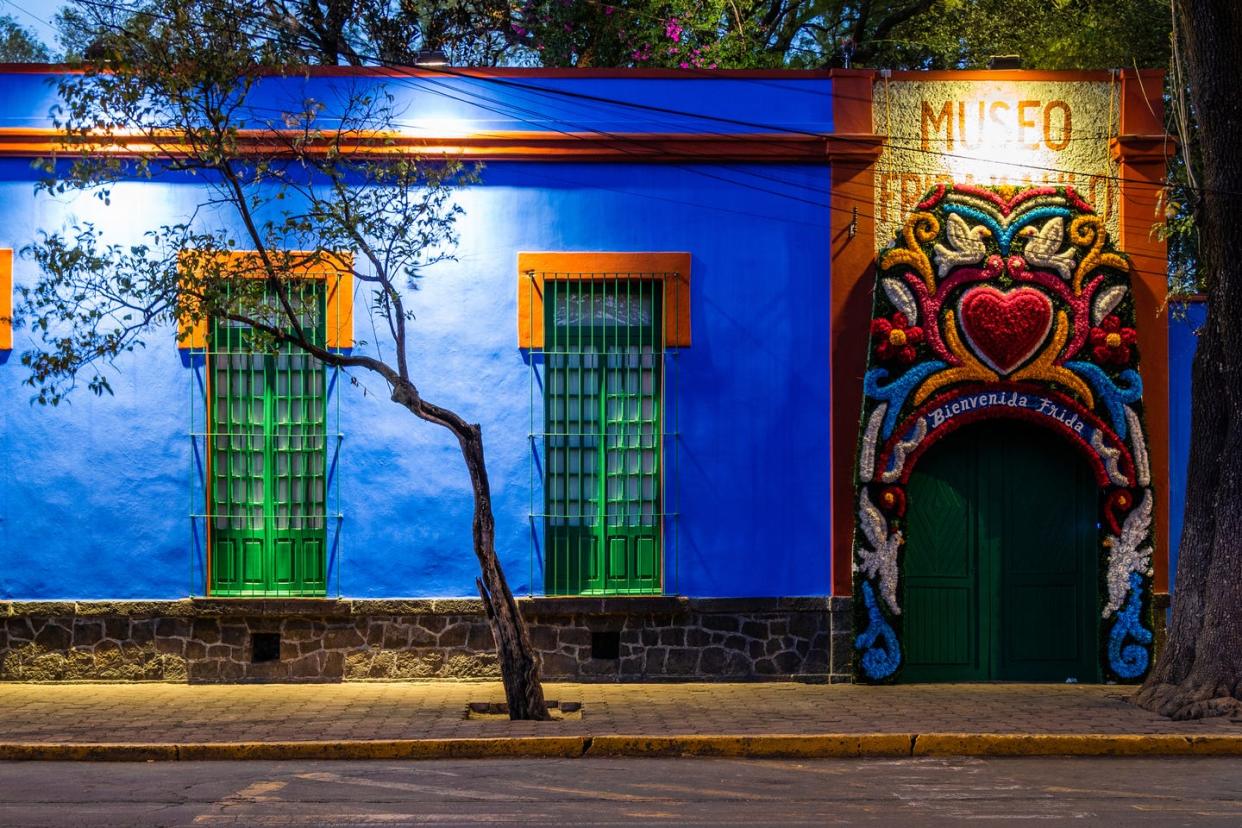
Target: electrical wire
415,78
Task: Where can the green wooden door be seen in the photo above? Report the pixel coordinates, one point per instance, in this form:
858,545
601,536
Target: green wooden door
1044,503
1000,574
268,463
947,611
603,371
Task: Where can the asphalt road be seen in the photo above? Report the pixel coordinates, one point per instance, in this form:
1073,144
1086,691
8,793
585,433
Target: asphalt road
903,792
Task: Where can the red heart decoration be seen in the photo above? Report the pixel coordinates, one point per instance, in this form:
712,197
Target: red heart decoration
1005,329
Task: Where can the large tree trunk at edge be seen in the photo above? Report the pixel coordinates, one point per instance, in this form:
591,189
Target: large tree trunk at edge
519,665
1199,673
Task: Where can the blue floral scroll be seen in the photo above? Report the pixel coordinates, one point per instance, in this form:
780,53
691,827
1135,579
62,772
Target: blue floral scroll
878,662
1131,660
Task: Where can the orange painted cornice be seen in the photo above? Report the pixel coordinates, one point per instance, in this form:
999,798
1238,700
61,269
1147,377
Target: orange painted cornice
491,146
1140,148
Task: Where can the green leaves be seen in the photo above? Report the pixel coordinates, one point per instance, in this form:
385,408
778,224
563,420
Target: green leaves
280,193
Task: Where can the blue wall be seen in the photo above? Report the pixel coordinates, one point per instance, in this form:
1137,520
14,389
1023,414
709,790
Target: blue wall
95,496
1184,322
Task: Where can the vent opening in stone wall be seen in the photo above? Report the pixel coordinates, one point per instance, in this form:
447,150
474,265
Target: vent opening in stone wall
264,647
603,434
606,645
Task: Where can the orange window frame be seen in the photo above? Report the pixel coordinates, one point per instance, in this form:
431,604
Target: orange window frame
672,268
6,299
336,270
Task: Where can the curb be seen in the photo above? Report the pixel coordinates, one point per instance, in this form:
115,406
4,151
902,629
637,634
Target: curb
819,746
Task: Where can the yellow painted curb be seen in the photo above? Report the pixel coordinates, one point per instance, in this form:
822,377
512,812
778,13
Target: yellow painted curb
482,748
823,746
477,748
809,746
1075,744
97,752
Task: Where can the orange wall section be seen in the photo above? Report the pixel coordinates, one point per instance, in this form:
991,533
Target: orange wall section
852,240
1142,148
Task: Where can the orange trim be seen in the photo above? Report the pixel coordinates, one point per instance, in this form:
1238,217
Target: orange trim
338,287
480,72
534,268
852,241
6,299
493,145
1142,149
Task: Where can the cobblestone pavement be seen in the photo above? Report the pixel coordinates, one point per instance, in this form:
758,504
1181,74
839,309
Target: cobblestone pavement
167,713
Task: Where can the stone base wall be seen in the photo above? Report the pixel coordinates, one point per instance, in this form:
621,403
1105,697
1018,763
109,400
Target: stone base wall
580,639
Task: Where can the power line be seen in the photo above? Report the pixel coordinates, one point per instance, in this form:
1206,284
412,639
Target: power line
406,76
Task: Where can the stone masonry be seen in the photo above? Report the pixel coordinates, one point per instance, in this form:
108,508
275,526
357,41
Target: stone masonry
292,640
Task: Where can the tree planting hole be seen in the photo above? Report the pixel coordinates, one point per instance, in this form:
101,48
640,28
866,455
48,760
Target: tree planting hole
485,711
264,647
606,645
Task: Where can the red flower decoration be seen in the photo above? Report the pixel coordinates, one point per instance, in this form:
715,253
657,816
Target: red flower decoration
896,339
1117,505
1111,343
893,500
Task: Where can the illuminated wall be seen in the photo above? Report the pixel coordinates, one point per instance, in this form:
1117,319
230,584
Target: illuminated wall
988,132
96,496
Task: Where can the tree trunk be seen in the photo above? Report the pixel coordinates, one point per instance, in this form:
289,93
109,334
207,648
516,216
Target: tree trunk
519,664
1199,673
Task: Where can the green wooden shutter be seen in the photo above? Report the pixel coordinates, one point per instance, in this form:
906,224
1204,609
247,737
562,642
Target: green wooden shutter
603,379
268,449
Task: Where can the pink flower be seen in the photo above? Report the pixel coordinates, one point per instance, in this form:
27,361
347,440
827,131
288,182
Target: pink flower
608,10
673,29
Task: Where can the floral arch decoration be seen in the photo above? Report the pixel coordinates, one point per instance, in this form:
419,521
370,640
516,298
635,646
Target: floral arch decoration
1004,302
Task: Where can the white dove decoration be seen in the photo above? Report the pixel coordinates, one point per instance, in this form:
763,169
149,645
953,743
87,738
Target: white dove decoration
1042,246
967,244
1126,554
879,562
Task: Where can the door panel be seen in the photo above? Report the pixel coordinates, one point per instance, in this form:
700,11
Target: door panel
602,414
1000,559
941,574
1048,558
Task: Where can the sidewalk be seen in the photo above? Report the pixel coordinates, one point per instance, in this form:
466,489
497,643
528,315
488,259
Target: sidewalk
373,720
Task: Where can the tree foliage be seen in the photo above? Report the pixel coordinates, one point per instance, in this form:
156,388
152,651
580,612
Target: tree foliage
19,44
894,34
